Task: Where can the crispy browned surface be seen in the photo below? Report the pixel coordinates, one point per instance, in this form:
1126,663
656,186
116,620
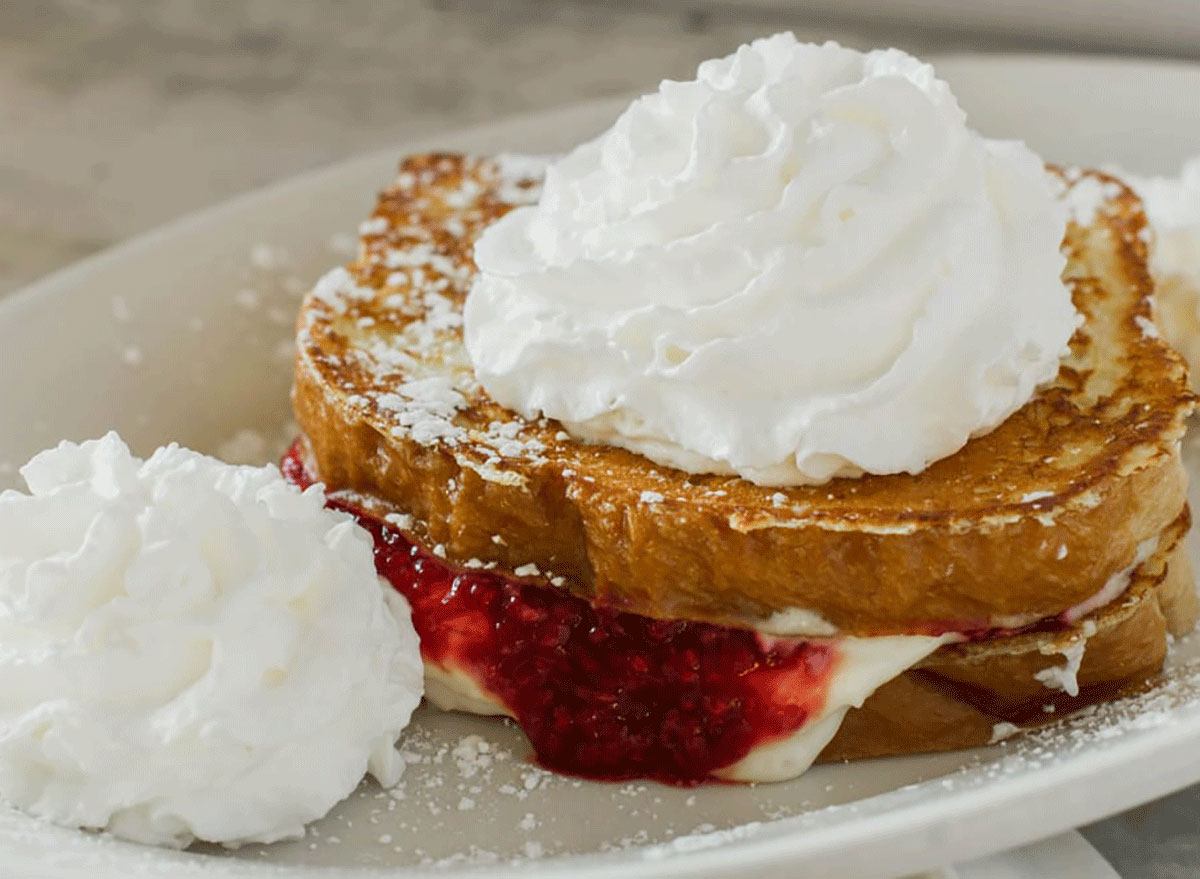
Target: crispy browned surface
954,698
960,542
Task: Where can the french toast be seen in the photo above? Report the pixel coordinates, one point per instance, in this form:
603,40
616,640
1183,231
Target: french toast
1024,521
1040,568
956,697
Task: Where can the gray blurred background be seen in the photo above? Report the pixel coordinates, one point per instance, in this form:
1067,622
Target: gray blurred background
117,115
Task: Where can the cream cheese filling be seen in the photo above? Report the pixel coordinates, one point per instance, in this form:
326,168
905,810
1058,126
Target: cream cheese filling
864,665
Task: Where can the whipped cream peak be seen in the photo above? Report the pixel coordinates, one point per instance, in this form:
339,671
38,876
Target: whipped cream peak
190,649
801,264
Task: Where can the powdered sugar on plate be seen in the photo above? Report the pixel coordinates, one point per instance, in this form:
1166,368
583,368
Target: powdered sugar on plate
469,796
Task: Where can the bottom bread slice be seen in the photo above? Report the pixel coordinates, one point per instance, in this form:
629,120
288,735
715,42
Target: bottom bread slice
966,695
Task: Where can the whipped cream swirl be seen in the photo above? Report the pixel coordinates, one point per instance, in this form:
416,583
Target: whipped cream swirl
190,649
802,264
1173,209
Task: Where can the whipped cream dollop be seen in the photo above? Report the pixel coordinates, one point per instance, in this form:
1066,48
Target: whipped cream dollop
190,649
802,264
1173,208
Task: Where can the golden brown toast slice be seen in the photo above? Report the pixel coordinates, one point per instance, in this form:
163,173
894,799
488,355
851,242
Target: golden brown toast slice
956,697
1028,520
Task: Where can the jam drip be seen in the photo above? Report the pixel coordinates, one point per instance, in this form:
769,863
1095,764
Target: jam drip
602,693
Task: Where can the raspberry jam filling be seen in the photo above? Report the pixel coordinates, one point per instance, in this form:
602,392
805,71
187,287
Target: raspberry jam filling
601,693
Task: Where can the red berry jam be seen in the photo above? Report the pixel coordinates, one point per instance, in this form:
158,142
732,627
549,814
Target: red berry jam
602,693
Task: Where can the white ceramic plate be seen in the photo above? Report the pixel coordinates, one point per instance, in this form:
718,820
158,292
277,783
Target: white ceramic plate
184,335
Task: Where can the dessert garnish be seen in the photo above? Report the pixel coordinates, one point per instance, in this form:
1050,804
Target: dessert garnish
191,650
755,271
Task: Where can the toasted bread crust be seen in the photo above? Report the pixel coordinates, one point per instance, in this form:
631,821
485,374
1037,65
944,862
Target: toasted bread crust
955,698
1029,519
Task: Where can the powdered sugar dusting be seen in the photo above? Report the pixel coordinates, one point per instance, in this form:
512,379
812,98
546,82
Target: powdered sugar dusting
1003,730
1064,677
1085,195
1149,330
337,287
403,298
424,409
373,226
